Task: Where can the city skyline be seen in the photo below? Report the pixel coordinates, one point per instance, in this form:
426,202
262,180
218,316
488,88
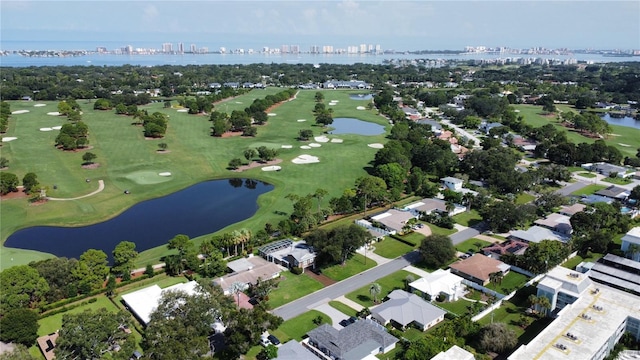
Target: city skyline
398,25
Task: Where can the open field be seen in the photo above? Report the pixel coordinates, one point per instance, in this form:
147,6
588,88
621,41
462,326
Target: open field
122,152
292,287
621,134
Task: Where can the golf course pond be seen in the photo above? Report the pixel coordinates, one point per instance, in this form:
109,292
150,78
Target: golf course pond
201,209
622,121
355,126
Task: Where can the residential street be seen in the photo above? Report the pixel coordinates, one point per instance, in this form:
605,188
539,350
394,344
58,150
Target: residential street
569,188
334,291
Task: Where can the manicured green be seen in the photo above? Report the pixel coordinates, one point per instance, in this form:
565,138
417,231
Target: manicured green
353,266
510,282
343,308
589,189
292,287
53,323
468,218
128,161
297,327
388,283
470,245
617,180
391,248
587,175
458,307
524,198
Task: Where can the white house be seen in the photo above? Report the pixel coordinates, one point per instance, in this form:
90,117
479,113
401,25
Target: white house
632,238
144,301
452,183
439,282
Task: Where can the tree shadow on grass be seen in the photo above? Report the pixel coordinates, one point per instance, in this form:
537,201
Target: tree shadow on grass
364,298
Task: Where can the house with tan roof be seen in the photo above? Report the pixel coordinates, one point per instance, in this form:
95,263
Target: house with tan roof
478,268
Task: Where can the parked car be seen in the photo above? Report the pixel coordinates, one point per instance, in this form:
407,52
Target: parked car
353,319
274,340
345,322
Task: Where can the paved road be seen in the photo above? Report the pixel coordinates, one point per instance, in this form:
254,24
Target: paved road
336,290
462,236
571,187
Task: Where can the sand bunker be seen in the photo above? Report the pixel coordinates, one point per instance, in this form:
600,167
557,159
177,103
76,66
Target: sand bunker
238,102
286,146
183,110
337,141
305,159
376,146
305,147
272,168
272,114
56,127
625,145
9,138
19,112
39,105
302,120
332,104
53,113
46,129
321,139
166,173
335,101
315,145
360,108
148,177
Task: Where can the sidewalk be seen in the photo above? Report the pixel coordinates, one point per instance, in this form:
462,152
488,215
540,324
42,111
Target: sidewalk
352,304
415,270
373,256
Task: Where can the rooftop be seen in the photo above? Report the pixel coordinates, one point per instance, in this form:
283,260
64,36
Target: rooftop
349,340
632,236
293,350
591,320
614,192
536,234
439,281
144,301
479,266
573,209
454,353
405,308
394,219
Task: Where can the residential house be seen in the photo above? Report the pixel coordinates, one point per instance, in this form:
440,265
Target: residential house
248,85
631,241
404,309
289,254
394,220
233,85
144,301
614,192
215,85
436,128
486,127
440,282
360,340
454,353
572,210
47,345
293,350
351,84
556,222
250,271
478,268
563,286
428,206
592,199
452,183
511,246
536,234
411,113
524,144
607,169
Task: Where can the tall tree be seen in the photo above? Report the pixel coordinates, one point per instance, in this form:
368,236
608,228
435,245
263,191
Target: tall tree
92,270
124,257
375,289
21,287
370,189
497,337
30,182
436,250
20,326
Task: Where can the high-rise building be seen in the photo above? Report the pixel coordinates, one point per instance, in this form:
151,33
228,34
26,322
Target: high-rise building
223,50
378,49
314,49
363,48
181,48
327,49
193,48
295,49
284,49
167,47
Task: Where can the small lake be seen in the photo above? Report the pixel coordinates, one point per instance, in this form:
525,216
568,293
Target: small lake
197,210
361,96
623,121
355,126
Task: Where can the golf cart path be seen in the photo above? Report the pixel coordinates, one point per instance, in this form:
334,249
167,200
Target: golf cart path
100,188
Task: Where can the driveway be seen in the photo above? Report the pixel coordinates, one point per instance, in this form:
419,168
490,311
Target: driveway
335,315
336,290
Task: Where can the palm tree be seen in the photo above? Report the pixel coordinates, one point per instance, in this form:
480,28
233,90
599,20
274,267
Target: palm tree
496,277
408,280
236,288
245,236
375,289
633,251
227,241
544,304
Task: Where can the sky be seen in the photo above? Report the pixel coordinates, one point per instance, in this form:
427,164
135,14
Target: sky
399,25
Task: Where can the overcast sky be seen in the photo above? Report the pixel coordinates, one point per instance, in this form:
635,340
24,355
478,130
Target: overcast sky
401,25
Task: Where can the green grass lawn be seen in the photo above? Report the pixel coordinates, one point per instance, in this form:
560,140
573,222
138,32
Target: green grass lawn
292,287
342,307
510,282
441,231
588,190
524,198
468,218
470,245
391,248
299,326
413,237
574,261
114,140
52,323
508,313
353,266
617,180
587,175
388,283
458,307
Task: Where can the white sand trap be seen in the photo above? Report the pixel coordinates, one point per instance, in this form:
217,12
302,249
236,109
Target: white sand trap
305,159
302,120
376,146
39,105
271,168
337,141
332,104
321,139
305,147
360,108
335,101
46,129
286,146
315,145
53,113
272,114
183,110
19,112
9,138
238,102
56,127
166,173
625,145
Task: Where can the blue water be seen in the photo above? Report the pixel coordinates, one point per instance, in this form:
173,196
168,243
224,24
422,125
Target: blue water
197,210
361,96
625,121
355,126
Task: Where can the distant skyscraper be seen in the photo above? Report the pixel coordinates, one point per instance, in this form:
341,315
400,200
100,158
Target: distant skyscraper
223,50
295,49
363,48
193,48
327,49
181,48
167,47
370,49
315,49
128,49
284,49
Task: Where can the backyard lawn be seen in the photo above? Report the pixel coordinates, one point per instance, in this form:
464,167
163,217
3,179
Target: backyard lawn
441,231
391,248
458,307
510,282
617,181
388,283
292,287
472,245
574,261
353,266
524,198
468,218
588,190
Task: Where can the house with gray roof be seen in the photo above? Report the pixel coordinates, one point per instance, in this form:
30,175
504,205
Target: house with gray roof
435,126
607,169
293,350
360,340
536,234
614,192
404,309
